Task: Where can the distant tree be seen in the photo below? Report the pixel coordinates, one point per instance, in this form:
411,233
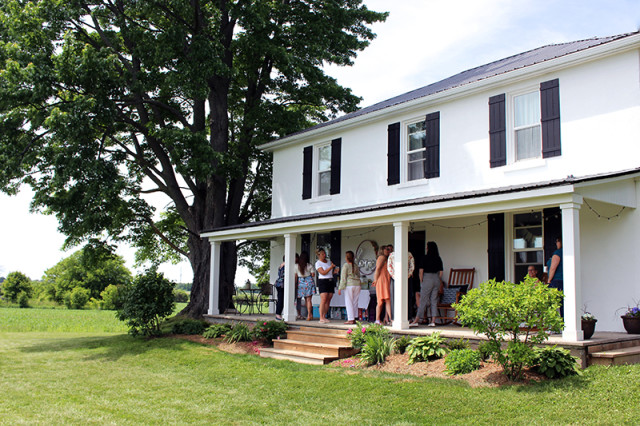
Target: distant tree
16,283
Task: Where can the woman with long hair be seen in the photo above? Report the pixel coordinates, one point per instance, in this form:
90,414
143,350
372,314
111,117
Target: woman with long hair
306,286
326,283
382,283
350,283
430,278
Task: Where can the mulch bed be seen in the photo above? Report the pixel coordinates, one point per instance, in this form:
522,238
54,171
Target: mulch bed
489,375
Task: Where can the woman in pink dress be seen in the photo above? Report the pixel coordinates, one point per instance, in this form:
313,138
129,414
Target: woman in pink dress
382,283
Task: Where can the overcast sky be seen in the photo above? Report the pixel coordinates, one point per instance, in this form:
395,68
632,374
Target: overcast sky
422,41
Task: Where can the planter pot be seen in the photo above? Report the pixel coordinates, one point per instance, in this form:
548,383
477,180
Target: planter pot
588,328
631,324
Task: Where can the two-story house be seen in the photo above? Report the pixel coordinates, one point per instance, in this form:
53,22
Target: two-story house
493,164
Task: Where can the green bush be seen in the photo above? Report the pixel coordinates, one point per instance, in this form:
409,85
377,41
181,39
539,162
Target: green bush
402,343
145,302
508,312
188,326
110,297
23,299
376,348
359,332
485,349
239,333
555,362
269,330
425,348
462,361
181,296
216,330
453,344
14,284
76,298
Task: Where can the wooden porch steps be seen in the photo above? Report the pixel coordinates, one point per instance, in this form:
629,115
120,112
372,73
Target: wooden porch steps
618,353
311,345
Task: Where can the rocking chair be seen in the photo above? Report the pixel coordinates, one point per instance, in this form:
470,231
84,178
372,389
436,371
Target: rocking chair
460,281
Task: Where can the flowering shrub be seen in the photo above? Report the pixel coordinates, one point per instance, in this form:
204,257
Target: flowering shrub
633,312
269,330
358,334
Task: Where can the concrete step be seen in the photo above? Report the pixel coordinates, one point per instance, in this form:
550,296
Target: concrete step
614,346
296,356
629,355
318,337
339,351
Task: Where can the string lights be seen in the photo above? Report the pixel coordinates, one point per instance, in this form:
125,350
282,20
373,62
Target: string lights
600,216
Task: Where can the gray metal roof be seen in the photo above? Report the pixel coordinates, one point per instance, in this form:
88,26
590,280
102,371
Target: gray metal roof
512,63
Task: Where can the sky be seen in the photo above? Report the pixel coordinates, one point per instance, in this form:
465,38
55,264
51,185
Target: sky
421,42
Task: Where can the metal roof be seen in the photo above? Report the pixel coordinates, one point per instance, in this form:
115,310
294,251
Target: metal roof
512,63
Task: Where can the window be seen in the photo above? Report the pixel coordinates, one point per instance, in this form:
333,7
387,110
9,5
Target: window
527,243
416,137
526,126
324,170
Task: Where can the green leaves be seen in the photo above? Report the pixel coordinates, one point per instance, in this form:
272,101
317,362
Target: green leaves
421,349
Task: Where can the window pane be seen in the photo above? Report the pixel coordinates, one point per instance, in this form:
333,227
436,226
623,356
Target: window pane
324,183
324,160
416,170
527,219
417,133
526,109
529,258
528,238
528,143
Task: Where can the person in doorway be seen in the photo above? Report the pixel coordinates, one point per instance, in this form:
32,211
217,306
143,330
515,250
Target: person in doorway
350,284
430,278
326,283
391,268
279,285
382,283
554,266
306,286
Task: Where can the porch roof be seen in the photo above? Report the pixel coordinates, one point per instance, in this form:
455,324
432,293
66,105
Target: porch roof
533,195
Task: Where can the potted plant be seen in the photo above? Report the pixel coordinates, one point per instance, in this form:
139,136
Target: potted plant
588,324
631,320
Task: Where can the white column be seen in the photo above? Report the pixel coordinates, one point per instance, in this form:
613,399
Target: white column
289,310
571,271
214,279
401,270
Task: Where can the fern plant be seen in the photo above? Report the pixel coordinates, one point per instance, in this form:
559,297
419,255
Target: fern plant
424,348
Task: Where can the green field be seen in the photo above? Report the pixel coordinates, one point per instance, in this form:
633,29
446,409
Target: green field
106,377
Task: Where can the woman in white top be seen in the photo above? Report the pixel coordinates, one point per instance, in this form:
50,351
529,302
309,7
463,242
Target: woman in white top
350,283
304,277
326,284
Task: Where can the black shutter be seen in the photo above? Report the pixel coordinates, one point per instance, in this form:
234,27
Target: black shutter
432,145
552,226
305,244
497,131
550,118
307,165
336,250
336,152
393,154
495,245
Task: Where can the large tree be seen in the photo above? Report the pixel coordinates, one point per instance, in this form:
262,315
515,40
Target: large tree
106,103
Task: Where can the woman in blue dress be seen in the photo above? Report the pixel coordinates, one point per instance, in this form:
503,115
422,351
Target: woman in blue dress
304,278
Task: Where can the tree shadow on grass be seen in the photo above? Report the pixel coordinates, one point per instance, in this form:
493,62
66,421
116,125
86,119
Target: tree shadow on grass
108,348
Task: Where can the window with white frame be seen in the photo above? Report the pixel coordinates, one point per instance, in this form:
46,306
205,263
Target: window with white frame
416,135
528,243
324,170
526,126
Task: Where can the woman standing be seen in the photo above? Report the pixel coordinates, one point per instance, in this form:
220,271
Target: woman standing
430,278
382,283
326,285
350,283
554,266
279,285
306,287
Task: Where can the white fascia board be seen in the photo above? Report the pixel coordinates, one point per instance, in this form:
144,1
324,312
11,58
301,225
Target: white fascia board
521,200
620,191
531,71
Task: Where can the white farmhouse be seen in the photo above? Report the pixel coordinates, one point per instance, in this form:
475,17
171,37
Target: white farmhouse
493,164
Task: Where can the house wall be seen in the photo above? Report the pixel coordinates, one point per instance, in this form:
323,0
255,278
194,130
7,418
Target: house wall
600,124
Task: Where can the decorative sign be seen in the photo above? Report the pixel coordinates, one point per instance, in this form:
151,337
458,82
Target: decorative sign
366,256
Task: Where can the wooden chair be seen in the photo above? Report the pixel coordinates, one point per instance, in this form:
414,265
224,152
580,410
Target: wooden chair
460,281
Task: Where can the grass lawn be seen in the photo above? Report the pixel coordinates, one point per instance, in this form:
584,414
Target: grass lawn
98,377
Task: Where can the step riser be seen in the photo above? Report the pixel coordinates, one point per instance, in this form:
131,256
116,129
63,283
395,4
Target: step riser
620,360
330,331
613,346
301,360
333,340
301,347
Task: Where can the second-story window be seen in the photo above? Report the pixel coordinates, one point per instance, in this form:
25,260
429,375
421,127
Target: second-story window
416,136
526,126
324,170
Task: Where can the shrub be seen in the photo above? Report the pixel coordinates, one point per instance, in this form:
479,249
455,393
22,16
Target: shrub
462,361
555,362
76,298
425,348
145,302
188,326
402,343
181,296
485,349
239,333
23,299
216,330
14,284
269,330
505,311
376,348
457,344
110,298
357,335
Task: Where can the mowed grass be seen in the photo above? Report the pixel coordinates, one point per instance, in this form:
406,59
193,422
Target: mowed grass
59,320
113,378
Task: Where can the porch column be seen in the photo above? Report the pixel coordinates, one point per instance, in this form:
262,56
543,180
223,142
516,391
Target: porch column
289,310
571,271
214,279
401,288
